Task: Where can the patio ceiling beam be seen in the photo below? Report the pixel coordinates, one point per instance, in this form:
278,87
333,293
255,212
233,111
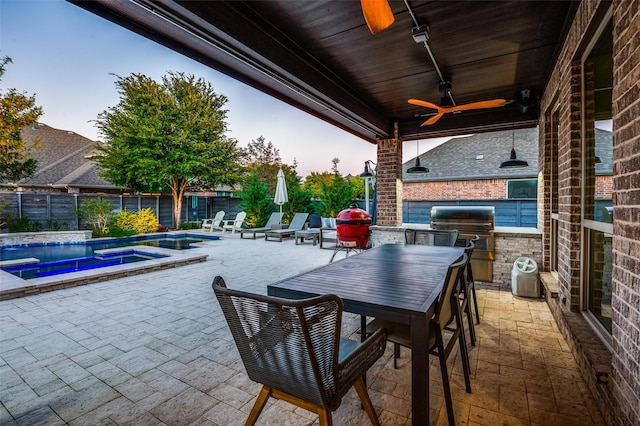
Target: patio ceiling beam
231,38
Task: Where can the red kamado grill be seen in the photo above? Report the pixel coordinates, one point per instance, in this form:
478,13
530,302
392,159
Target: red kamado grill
352,228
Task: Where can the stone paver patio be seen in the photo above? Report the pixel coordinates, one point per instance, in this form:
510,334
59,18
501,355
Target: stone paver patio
154,349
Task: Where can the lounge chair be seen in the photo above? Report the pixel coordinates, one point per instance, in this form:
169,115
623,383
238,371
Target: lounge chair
275,219
235,224
214,223
296,225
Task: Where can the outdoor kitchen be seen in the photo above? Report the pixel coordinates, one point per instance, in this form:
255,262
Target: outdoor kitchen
498,248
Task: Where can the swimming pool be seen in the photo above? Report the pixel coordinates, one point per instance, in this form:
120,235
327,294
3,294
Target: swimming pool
52,252
36,270
62,258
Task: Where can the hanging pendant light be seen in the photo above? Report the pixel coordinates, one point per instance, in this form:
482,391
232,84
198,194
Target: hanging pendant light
513,162
417,168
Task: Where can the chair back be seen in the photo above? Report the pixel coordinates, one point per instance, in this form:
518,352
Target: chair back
315,221
239,220
298,221
445,308
289,345
431,237
274,219
217,219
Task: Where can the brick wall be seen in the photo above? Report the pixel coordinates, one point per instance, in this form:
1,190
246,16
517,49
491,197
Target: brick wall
626,200
509,247
619,400
389,182
478,189
456,190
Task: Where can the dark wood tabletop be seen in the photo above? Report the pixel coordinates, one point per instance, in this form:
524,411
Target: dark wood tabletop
393,281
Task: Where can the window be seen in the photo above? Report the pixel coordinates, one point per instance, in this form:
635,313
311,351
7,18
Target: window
598,213
555,131
522,188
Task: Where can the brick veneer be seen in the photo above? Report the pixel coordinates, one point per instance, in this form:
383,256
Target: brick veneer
389,182
626,201
619,400
479,189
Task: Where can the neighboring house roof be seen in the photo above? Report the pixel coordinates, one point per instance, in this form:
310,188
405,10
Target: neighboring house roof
64,159
478,157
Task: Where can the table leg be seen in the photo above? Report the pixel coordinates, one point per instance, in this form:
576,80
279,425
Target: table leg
419,370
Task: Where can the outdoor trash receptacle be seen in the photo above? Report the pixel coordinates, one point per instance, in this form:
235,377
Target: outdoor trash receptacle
524,278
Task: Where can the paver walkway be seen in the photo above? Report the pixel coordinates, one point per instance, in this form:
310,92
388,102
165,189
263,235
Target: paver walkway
154,349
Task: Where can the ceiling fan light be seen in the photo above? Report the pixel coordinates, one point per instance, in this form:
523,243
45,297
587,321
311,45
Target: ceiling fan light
445,101
417,168
377,14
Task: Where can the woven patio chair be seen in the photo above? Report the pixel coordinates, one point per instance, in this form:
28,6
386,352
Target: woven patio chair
294,349
447,317
464,291
471,284
431,237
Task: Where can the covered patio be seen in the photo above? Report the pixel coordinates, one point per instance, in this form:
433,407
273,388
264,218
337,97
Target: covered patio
562,66
154,348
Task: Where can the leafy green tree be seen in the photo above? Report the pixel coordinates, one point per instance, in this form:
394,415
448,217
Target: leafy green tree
255,201
357,187
263,158
16,111
336,196
314,183
299,198
168,137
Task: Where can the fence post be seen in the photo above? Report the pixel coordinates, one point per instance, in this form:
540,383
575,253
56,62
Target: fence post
75,199
19,204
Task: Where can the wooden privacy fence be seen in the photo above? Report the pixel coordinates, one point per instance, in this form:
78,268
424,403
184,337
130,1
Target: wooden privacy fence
54,210
519,213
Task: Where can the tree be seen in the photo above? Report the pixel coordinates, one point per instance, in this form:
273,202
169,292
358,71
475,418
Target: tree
16,111
314,183
167,137
336,196
255,201
264,159
299,198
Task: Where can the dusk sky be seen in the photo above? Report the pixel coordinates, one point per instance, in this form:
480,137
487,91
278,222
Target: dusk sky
66,56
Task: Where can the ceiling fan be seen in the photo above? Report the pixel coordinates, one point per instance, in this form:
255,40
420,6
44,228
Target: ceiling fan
445,109
377,14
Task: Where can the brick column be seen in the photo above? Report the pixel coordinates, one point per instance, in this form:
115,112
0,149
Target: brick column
389,182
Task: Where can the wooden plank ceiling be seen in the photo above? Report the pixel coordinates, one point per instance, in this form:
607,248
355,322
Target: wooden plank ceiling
319,56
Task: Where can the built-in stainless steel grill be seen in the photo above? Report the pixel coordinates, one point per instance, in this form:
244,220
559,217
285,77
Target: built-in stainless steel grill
470,221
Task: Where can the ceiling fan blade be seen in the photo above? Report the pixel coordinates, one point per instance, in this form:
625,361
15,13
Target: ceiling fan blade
377,14
433,119
480,105
425,104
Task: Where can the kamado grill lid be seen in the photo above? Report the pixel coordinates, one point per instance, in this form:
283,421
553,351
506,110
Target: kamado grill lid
353,216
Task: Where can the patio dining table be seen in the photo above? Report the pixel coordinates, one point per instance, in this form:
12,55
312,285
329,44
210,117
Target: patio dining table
393,282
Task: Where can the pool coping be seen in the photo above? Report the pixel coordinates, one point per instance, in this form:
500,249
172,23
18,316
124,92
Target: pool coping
12,287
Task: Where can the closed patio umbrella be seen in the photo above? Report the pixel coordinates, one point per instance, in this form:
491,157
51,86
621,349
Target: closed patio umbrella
281,196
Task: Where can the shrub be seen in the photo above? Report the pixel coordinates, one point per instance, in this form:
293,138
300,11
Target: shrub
97,214
189,225
146,221
142,222
23,225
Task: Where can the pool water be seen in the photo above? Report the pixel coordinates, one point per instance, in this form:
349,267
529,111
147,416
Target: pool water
60,251
37,270
62,258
